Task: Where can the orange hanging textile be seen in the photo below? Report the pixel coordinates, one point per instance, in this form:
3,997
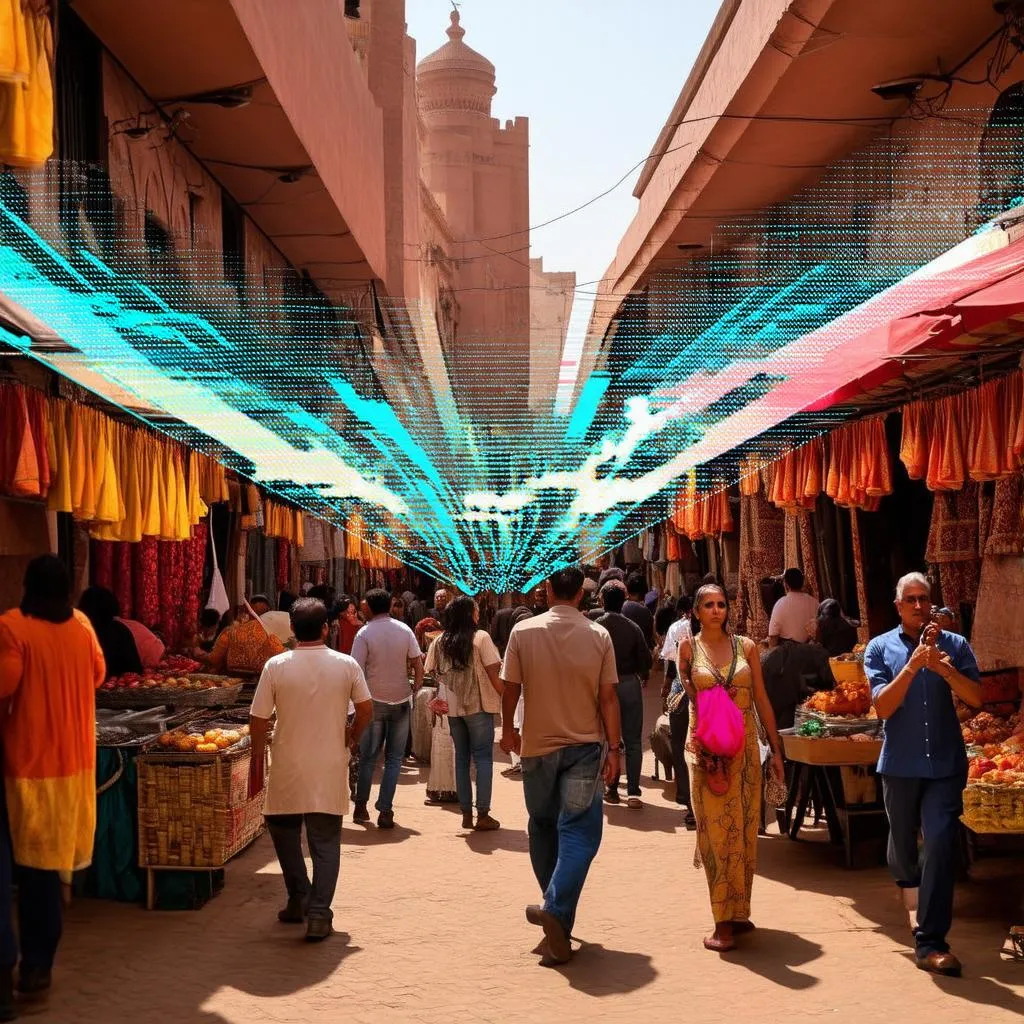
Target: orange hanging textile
26,94
59,498
946,463
988,447
914,441
19,457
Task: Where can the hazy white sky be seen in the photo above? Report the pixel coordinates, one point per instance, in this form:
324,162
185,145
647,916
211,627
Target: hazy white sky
597,79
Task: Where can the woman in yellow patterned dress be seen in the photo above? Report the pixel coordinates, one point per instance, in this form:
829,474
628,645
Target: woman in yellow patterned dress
727,792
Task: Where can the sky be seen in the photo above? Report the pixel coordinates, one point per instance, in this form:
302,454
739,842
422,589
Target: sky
598,80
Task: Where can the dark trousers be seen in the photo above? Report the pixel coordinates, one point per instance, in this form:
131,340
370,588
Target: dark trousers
563,799
931,807
323,836
679,723
40,912
631,713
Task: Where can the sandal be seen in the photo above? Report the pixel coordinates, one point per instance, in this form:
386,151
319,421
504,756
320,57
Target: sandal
742,927
719,944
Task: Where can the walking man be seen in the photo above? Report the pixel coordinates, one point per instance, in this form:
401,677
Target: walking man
564,666
914,671
310,688
793,613
388,653
632,663
635,607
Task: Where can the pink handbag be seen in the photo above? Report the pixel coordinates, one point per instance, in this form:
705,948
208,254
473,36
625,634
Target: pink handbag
719,728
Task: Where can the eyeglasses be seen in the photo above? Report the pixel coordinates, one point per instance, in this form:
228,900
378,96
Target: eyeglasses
917,600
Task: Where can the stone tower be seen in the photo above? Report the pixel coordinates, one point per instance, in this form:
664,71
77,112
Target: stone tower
478,170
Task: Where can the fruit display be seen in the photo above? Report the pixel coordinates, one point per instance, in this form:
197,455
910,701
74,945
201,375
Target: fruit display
154,679
179,664
210,741
986,727
850,699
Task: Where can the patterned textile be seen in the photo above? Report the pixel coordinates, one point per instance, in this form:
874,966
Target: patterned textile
809,554
146,581
761,555
123,579
283,563
953,544
1006,527
998,633
791,542
101,563
727,825
864,632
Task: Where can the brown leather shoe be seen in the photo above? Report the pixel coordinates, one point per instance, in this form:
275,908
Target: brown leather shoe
559,947
940,963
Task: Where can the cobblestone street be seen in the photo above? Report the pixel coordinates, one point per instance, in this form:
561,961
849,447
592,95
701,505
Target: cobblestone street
431,929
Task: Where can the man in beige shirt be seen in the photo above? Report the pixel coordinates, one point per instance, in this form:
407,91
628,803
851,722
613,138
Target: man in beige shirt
564,666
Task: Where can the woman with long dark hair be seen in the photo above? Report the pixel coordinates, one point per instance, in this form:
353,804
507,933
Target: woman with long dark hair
50,667
100,606
465,661
726,792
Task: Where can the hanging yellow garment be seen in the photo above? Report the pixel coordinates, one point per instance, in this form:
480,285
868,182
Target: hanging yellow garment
59,498
197,508
181,523
83,487
131,528
109,504
149,486
26,95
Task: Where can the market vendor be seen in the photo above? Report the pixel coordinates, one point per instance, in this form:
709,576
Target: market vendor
792,672
914,672
246,646
101,608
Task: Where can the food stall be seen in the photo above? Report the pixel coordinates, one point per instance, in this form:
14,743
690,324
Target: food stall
833,749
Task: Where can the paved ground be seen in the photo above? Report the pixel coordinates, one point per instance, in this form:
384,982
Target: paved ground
433,931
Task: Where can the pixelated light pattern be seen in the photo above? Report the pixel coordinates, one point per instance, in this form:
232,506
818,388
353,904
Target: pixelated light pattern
290,391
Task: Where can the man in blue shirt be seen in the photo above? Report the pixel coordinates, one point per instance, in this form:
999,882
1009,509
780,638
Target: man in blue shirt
914,671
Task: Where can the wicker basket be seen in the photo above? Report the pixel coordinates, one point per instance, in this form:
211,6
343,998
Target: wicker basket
845,670
154,696
994,809
194,810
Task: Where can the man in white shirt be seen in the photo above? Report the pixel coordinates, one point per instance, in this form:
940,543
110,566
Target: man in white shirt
679,721
387,652
793,612
310,688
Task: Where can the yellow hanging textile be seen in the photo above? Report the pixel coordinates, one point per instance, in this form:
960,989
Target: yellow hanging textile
26,91
197,508
109,503
59,498
83,487
181,524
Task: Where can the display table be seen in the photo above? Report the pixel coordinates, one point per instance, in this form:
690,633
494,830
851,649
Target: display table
838,776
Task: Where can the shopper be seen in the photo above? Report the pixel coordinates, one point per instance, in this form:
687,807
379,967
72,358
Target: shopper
915,670
834,631
633,664
388,653
464,660
635,607
246,645
564,666
50,667
441,599
678,704
349,623
398,609
100,606
726,792
793,613
310,688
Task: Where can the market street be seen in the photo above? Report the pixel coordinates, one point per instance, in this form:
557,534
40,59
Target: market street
431,929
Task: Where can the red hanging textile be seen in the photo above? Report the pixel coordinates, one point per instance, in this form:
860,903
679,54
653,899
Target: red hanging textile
20,468
194,566
146,581
123,579
282,564
101,563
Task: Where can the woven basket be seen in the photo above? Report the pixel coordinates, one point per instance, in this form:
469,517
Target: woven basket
151,697
194,809
993,809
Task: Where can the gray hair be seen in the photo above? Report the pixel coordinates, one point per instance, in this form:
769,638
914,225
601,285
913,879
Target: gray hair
911,578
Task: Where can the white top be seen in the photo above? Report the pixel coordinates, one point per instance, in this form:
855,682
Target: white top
485,653
678,632
280,624
791,616
310,688
383,648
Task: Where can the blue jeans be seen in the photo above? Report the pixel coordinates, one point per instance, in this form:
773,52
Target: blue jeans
473,736
390,730
563,799
933,808
631,712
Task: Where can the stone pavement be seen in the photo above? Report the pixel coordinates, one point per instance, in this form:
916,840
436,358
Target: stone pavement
432,930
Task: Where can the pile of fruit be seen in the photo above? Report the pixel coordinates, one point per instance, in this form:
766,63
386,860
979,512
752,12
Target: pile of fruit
179,664
209,742
847,699
986,728
153,679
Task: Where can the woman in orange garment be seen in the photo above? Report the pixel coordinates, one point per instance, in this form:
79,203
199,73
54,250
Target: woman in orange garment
50,667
